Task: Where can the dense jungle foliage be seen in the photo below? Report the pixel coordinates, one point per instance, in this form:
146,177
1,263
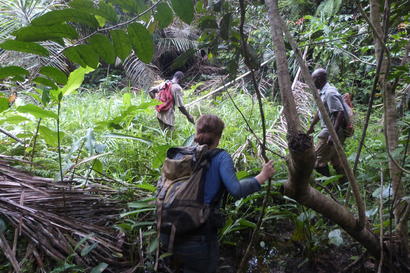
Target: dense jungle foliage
74,108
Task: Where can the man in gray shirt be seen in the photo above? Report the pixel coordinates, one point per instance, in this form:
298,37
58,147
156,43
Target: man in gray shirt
333,101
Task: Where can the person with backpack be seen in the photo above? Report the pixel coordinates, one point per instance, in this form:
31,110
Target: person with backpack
190,192
340,114
170,94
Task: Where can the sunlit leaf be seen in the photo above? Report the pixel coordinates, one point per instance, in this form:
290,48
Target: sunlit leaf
50,136
146,186
12,119
75,80
36,111
115,135
98,166
4,104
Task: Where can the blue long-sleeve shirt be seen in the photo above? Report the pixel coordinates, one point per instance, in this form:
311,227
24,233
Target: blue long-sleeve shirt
221,172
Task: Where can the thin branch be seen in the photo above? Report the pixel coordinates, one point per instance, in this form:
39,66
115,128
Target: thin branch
375,32
260,143
379,270
368,113
114,26
355,57
35,140
11,136
244,260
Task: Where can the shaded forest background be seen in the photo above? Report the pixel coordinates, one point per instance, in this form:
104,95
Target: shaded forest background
81,148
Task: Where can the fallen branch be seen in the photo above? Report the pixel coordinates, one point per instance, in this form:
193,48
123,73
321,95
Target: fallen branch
11,136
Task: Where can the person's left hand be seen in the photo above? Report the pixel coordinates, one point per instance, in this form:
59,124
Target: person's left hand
191,119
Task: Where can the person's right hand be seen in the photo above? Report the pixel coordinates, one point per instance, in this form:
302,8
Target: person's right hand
267,171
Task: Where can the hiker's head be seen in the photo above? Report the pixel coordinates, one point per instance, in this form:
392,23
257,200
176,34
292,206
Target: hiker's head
178,76
209,130
319,77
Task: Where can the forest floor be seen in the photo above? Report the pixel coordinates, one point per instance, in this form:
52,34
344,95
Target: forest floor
281,254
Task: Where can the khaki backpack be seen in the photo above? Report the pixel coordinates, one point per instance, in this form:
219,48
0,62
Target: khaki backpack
180,196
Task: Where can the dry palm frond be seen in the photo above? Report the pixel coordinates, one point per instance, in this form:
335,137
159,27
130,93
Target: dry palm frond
61,220
276,136
174,44
140,74
304,106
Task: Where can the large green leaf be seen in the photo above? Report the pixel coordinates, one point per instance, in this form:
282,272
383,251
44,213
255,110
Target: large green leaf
104,9
12,71
4,104
103,46
66,15
107,11
163,15
16,119
73,55
141,41
54,73
45,81
27,47
121,43
50,136
75,80
44,33
88,54
184,9
36,111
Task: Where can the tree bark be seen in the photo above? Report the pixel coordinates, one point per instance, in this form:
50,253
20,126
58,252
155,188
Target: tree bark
390,118
302,157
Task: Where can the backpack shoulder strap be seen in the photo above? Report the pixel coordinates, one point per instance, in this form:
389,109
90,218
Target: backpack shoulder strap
213,152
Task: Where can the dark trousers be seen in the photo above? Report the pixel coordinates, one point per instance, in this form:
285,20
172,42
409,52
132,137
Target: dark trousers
193,254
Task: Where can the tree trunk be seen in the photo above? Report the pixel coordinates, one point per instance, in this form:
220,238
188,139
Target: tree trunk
302,157
390,120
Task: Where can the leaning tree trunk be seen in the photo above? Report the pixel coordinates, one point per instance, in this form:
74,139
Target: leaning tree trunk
301,158
390,118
